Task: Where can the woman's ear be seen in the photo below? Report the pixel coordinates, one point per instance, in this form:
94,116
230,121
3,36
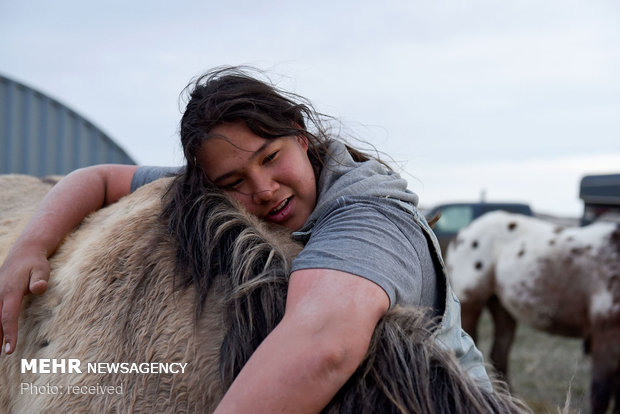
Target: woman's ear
303,141
301,137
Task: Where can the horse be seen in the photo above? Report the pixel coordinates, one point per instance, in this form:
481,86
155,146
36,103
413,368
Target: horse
560,280
118,331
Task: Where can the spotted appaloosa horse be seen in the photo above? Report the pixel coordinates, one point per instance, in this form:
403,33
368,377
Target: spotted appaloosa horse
563,281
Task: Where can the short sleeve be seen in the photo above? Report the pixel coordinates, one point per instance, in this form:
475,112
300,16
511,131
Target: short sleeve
375,239
147,174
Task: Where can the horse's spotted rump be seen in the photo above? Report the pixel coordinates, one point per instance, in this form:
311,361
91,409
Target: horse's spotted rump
561,280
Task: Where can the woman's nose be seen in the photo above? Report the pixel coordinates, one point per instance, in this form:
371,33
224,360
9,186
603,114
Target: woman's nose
264,191
262,196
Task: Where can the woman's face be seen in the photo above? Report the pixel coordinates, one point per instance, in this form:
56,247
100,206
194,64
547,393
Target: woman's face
272,178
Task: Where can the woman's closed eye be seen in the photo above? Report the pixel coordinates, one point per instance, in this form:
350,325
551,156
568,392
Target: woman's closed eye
232,185
270,157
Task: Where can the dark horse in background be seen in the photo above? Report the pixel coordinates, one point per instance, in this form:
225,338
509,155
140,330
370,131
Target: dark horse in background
563,281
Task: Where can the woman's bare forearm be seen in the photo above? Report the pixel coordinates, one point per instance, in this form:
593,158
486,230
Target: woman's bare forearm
317,346
71,200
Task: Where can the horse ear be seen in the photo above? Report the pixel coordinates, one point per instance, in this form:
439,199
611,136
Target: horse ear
433,220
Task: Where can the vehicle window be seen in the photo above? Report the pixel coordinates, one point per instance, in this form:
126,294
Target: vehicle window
454,218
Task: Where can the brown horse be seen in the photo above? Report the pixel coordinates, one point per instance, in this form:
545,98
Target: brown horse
563,281
114,298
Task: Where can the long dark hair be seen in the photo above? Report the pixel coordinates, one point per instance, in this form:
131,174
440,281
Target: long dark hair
233,94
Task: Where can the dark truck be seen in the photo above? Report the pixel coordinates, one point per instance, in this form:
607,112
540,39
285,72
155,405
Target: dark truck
601,197
455,216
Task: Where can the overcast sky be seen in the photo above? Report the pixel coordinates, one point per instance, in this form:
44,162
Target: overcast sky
514,99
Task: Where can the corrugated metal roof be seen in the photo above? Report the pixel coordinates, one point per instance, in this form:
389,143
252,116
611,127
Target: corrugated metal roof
40,136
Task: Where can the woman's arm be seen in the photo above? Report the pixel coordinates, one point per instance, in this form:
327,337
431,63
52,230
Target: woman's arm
324,335
26,269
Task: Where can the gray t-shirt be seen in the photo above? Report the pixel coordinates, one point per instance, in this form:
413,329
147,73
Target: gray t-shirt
146,174
359,226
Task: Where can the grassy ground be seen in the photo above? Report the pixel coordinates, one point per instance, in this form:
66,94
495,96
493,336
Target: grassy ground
543,368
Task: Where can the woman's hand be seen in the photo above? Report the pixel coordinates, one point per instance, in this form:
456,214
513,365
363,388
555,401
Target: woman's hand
25,270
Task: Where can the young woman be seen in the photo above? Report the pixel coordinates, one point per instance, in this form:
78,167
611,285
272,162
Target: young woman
367,248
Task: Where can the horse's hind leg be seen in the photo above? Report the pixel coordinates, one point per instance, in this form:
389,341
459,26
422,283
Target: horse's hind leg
470,314
504,332
616,390
605,366
600,387
617,393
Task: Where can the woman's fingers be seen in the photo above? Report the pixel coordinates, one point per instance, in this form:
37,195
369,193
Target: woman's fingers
38,280
11,304
16,282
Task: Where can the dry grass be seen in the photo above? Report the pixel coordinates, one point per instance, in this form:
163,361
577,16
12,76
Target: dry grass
543,368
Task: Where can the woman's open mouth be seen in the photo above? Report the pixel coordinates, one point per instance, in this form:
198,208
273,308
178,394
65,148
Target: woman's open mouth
281,211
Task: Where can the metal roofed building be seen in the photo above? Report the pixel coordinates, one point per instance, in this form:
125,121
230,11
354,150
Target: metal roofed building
40,136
